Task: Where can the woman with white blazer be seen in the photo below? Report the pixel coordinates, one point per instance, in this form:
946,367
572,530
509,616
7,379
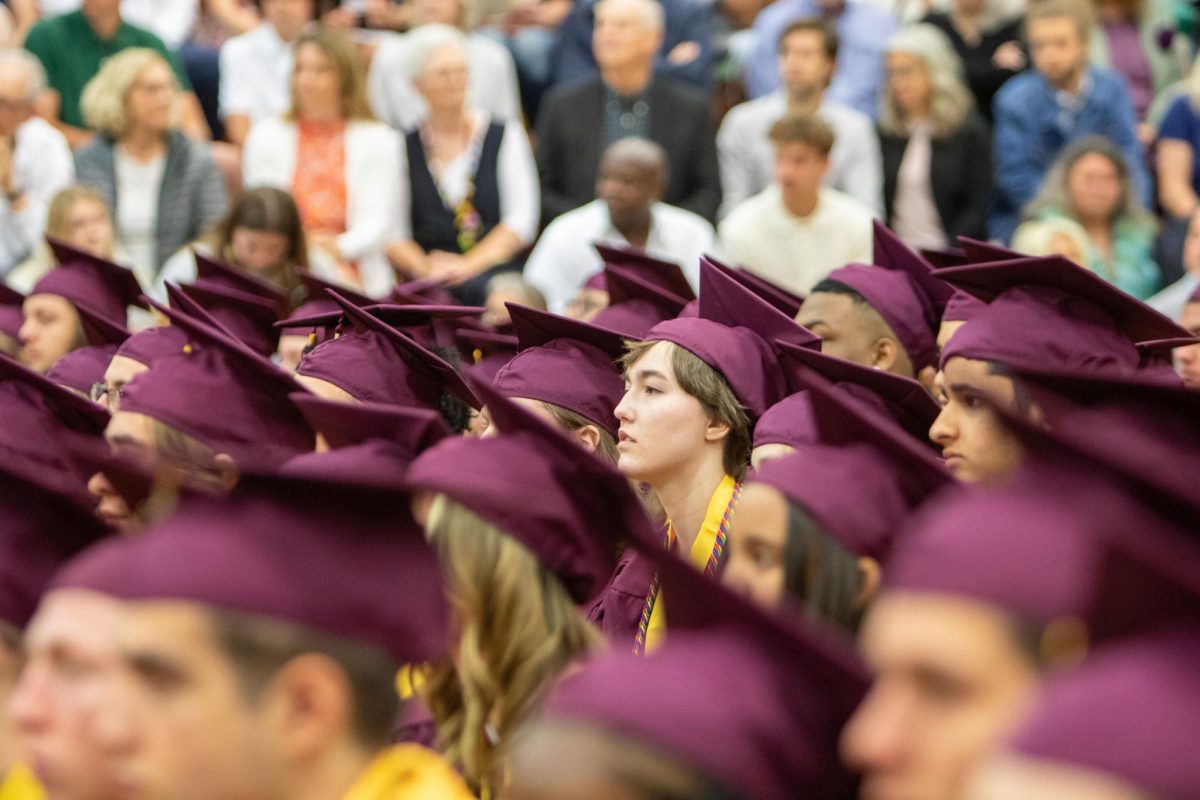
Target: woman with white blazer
340,164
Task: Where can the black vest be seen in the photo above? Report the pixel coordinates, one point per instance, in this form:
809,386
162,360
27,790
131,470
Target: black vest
432,222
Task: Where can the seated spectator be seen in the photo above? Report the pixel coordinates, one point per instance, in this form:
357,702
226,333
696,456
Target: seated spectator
493,77
1171,300
1178,169
468,187
628,210
35,161
579,122
261,234
256,67
1187,359
162,188
1053,236
338,163
78,216
1040,112
807,60
937,171
796,231
74,46
1128,39
987,37
509,287
862,28
1090,184
684,53
171,21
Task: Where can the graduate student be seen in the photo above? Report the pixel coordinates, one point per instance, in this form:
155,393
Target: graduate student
1041,312
234,684
517,569
51,326
694,388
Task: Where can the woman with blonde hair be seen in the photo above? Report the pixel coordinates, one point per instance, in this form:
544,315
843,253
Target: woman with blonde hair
1090,184
162,188
338,163
937,171
516,572
78,215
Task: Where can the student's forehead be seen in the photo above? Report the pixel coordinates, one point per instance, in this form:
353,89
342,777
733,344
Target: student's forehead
913,627
167,622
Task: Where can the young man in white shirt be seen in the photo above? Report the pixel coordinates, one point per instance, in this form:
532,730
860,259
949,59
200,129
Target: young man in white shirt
35,160
627,211
796,231
807,59
256,67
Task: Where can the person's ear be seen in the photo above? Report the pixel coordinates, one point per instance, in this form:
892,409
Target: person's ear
884,353
308,705
925,377
716,431
870,575
588,437
226,471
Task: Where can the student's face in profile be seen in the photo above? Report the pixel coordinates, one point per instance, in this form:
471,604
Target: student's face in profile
975,444
844,330
1057,48
758,536
803,64
951,681
49,331
662,427
70,655
177,722
1007,776
290,351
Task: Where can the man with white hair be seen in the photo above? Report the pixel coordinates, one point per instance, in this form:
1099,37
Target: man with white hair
578,122
35,160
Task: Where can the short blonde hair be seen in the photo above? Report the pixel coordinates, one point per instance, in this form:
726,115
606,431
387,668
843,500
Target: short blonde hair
104,98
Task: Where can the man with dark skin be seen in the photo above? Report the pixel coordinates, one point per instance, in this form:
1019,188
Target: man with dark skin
628,212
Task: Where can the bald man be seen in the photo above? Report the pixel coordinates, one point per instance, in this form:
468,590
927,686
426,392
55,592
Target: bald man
628,211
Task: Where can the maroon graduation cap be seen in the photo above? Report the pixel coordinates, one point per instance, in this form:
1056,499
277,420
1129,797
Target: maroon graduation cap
635,303
85,279
11,314
666,274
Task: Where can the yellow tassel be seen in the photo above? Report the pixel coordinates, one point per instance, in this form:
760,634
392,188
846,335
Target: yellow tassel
477,355
187,348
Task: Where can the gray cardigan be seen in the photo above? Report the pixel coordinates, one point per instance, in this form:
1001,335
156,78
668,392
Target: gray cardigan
192,198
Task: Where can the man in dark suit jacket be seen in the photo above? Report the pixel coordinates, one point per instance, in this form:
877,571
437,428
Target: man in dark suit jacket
577,122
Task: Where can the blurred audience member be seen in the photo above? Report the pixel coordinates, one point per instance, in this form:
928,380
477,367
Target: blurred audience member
35,161
1128,39
807,59
338,162
162,188
937,172
1178,164
509,287
1090,183
531,31
578,122
78,216
862,26
1039,112
796,231
628,211
468,198
492,78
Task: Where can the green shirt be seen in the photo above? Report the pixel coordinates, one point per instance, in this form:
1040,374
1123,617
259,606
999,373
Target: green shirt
72,54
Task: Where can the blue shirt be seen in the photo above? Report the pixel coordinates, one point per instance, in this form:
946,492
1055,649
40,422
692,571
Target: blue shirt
1182,123
862,28
1032,126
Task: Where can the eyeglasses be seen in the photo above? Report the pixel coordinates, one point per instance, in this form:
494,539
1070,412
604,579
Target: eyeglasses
106,396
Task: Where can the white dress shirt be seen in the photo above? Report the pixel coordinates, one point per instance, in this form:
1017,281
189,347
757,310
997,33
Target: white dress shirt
42,165
797,252
564,258
747,155
492,82
256,72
